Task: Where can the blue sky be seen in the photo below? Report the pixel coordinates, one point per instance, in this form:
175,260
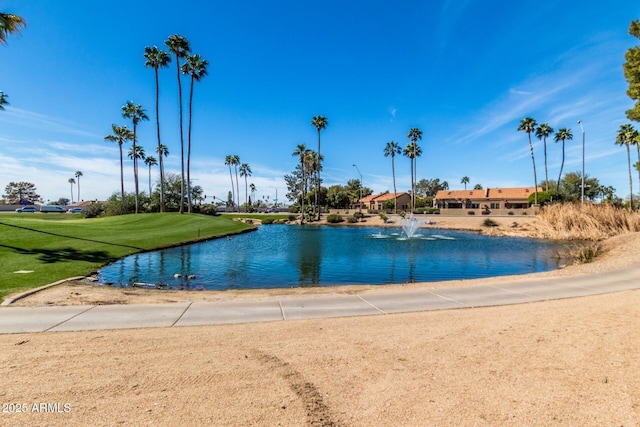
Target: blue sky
465,72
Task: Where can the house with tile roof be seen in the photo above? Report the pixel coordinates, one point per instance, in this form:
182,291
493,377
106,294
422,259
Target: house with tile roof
489,200
375,202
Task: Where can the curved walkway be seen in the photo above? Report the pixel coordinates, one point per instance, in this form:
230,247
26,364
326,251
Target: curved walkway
95,317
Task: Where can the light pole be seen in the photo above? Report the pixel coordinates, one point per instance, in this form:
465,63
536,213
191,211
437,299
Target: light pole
359,201
582,187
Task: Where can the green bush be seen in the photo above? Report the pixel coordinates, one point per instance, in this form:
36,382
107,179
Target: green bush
292,217
267,221
358,215
94,210
334,219
510,213
208,210
352,220
383,217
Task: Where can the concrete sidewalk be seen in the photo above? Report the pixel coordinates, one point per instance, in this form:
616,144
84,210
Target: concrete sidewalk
80,318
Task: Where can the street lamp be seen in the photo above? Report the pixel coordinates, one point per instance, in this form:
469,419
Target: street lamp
582,190
359,201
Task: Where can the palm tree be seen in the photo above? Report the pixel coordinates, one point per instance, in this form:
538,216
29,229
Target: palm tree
162,152
319,122
391,149
562,135
196,67
78,174
627,136
236,163
71,181
413,151
150,161
10,24
135,113
465,181
302,152
252,187
156,59
245,171
3,100
528,125
228,161
179,46
120,135
542,132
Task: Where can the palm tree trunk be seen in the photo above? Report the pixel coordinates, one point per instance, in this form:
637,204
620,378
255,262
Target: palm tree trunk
71,183
413,190
135,165
535,176
546,173
237,187
181,210
159,144
246,193
233,197
149,182
393,174
122,179
189,146
318,178
560,175
78,189
630,178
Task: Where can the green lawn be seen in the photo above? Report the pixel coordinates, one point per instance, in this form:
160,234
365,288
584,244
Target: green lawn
57,246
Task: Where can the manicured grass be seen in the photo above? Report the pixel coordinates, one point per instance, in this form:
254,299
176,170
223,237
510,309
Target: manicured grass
57,246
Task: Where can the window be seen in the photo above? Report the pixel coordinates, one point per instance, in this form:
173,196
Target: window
495,205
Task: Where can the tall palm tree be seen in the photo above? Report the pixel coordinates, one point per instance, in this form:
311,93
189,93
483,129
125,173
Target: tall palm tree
156,59
150,161
391,149
302,152
71,181
236,163
542,132
162,152
320,123
562,135
528,125
252,187
228,161
196,67
465,181
3,100
78,174
626,136
10,24
413,151
179,46
120,135
136,113
245,171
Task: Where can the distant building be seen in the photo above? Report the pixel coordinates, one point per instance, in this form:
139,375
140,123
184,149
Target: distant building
487,200
375,202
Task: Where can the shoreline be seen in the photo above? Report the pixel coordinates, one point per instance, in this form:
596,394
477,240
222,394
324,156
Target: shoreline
616,252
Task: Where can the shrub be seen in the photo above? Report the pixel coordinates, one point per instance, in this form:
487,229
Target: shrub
352,220
489,223
471,212
510,213
358,215
267,221
292,217
209,210
334,218
92,211
383,217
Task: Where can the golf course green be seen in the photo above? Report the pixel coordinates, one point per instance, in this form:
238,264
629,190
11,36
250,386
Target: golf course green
38,249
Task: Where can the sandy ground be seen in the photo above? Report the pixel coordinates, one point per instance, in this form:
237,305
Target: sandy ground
568,362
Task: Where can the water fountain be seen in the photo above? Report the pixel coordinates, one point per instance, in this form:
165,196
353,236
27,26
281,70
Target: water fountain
410,225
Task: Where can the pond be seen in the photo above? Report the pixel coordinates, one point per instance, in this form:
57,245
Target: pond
282,256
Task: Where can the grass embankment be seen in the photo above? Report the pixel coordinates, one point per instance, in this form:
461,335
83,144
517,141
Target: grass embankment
57,246
588,222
